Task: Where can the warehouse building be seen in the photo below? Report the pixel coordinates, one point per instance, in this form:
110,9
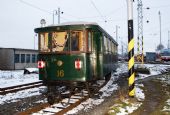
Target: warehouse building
16,59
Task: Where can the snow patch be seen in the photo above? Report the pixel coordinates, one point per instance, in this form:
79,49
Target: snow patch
106,91
14,97
155,69
167,106
13,78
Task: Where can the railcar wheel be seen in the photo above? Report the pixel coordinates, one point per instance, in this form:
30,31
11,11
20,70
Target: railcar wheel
90,93
51,99
107,77
67,99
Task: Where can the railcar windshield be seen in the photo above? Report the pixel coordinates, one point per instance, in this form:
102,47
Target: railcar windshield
44,42
62,41
59,41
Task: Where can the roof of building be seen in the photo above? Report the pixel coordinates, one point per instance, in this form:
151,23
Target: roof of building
20,49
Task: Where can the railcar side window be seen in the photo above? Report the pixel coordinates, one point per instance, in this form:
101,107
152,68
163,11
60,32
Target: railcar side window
59,41
116,49
89,41
108,44
105,44
44,43
112,47
77,43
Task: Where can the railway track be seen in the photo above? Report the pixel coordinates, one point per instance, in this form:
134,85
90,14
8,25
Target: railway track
59,108
13,89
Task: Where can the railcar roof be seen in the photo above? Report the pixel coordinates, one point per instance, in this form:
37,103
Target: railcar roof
81,23
75,23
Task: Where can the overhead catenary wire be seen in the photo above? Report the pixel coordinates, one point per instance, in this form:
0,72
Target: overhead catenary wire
97,10
65,13
33,6
50,13
38,8
161,6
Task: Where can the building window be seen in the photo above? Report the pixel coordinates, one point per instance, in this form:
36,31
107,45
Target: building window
22,58
36,58
28,58
33,58
17,57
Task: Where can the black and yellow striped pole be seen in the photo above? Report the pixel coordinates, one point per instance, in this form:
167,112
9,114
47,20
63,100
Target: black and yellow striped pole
131,49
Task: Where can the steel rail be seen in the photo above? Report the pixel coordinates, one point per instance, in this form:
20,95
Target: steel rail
63,109
13,89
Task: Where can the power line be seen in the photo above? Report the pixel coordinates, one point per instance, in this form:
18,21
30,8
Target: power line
33,6
97,10
43,10
161,6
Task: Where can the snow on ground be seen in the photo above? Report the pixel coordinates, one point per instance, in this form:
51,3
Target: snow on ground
14,97
126,106
13,78
167,106
166,80
155,69
122,68
139,92
106,91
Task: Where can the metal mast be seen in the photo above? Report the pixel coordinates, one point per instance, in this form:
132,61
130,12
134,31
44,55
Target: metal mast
160,25
140,32
168,39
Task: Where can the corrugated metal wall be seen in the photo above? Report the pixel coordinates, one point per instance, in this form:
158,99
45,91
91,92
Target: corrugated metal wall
6,59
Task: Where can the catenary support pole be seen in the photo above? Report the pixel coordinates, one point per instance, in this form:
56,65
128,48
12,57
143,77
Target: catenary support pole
58,15
131,61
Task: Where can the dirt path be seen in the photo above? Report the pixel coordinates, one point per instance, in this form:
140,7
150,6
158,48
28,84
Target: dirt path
155,97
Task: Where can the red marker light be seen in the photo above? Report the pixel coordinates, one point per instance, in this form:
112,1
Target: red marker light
41,64
78,64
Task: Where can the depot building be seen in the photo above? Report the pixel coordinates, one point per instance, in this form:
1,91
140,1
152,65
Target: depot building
17,59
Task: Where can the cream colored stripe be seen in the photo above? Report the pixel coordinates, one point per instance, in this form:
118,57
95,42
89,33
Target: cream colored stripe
131,44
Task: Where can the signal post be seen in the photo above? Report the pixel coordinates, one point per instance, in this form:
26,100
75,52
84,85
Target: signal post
131,61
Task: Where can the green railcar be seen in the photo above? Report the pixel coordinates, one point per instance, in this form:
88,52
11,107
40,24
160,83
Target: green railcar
93,58
75,52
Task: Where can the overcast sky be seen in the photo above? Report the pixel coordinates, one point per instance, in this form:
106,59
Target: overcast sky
18,18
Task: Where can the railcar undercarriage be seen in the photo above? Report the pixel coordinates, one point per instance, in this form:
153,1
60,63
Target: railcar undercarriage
56,91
